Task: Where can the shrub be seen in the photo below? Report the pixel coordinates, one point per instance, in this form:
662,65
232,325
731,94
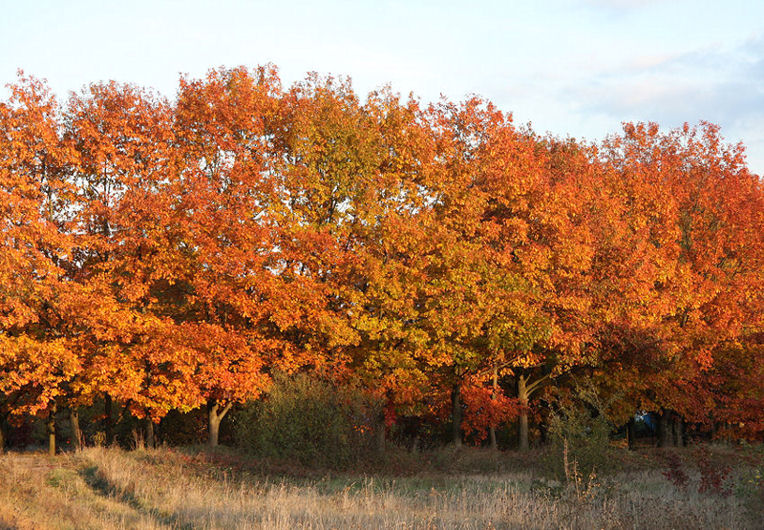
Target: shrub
675,472
714,476
310,419
580,439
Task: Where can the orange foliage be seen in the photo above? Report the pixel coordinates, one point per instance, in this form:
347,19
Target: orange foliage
172,254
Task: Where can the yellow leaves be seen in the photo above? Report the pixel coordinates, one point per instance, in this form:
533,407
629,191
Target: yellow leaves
35,369
171,253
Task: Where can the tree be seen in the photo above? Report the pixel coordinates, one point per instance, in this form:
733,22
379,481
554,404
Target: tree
35,363
697,209
235,299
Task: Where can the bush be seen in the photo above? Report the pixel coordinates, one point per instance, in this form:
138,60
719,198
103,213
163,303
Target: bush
580,439
312,420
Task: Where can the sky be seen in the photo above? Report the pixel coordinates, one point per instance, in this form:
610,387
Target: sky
574,68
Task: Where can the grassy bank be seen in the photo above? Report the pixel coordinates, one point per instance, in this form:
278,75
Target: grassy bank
189,488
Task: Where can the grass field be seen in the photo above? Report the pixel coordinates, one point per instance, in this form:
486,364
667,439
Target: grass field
191,488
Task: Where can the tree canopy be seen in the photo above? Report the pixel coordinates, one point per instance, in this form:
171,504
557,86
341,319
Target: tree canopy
175,254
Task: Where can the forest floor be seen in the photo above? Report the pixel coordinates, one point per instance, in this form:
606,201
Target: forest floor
466,488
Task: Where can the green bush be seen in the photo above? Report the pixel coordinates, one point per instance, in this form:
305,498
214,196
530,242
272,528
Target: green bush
580,440
310,419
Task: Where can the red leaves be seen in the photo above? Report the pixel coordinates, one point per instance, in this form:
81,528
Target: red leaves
486,408
171,254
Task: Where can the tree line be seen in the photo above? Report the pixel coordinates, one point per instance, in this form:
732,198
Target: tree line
172,255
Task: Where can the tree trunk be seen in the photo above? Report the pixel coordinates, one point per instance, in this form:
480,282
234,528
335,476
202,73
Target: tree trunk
3,416
150,433
52,430
492,436
494,395
215,416
380,432
678,431
159,432
630,433
214,426
664,428
543,433
74,418
108,422
456,416
682,433
522,395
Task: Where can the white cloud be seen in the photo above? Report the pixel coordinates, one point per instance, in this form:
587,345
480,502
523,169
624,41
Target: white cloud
721,85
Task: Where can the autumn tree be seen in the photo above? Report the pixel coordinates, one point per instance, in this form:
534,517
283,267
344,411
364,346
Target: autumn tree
126,250
236,287
506,276
694,206
35,362
169,255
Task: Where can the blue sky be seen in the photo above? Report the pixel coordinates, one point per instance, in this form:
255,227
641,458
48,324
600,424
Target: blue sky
571,67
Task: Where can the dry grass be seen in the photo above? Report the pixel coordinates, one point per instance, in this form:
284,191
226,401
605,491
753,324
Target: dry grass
111,488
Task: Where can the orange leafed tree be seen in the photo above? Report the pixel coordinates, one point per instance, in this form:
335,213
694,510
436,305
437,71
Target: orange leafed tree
35,361
171,255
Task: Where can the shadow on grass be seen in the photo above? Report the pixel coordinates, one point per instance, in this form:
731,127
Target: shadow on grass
101,486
